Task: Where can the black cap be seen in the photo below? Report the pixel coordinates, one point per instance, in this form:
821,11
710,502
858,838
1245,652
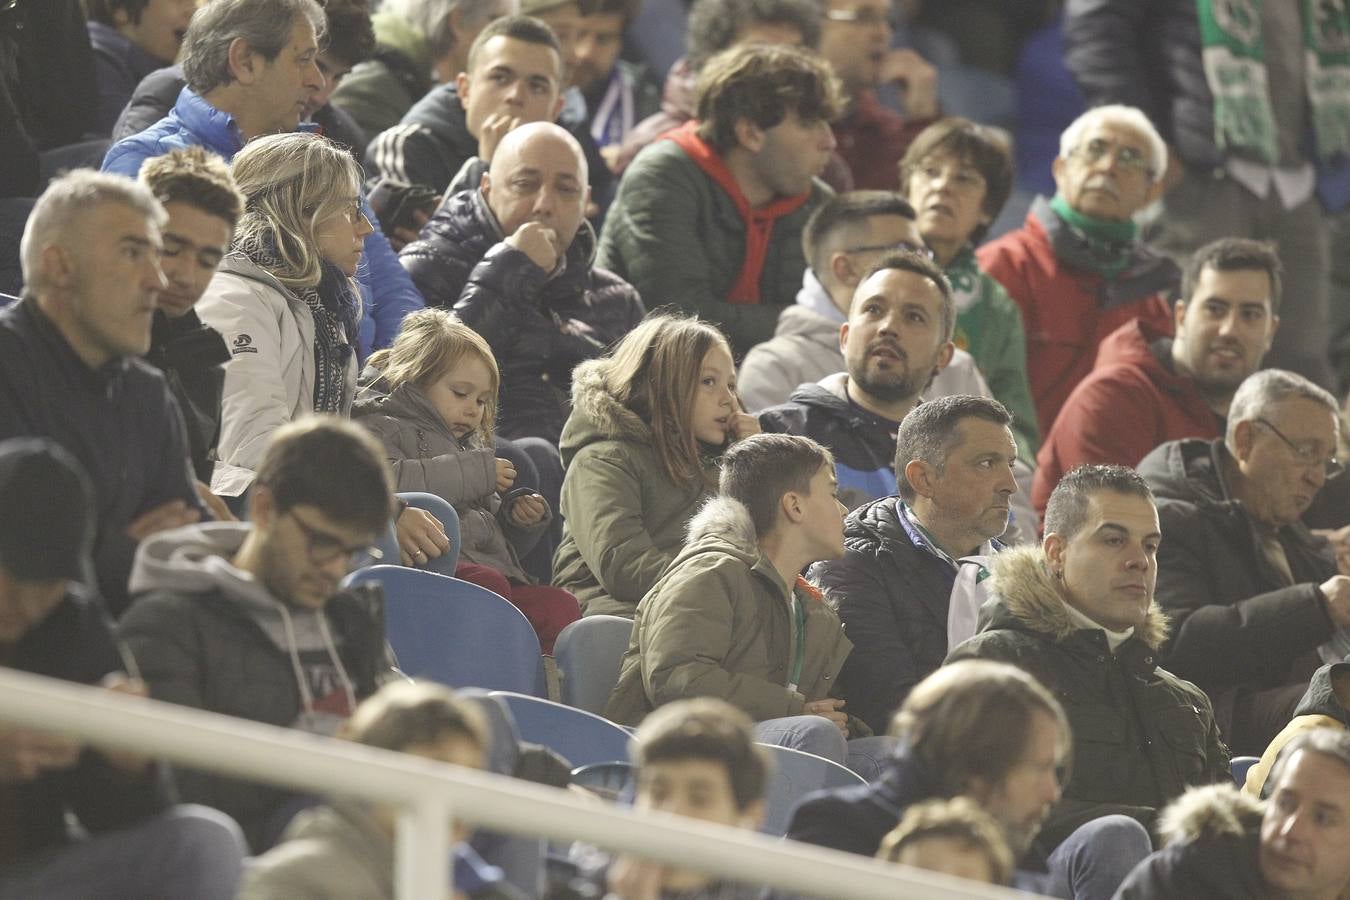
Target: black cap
46,512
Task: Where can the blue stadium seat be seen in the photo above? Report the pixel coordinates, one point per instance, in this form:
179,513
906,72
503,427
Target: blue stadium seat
610,780
454,632
794,775
581,738
1239,767
7,299
588,653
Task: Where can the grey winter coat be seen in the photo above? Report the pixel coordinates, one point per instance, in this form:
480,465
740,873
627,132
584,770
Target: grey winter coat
426,456
623,518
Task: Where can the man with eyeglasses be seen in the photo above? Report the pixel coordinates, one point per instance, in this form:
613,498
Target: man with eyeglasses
855,37
247,619
1253,596
1077,268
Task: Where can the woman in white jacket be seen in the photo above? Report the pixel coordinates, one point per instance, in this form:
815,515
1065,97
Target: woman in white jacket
284,298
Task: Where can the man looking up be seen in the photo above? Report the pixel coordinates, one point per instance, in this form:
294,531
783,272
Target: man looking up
710,219
891,588
1147,388
70,367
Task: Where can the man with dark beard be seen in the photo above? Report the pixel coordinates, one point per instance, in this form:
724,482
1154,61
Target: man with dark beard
897,337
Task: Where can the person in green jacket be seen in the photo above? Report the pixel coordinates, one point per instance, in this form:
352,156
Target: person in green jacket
640,451
957,176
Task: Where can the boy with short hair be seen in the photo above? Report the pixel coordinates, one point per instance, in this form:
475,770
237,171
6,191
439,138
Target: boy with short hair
954,837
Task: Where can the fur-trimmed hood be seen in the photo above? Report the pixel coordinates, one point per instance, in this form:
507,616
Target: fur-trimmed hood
1214,810
723,525
1021,583
597,415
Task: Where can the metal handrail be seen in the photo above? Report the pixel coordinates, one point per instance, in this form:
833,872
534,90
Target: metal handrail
427,792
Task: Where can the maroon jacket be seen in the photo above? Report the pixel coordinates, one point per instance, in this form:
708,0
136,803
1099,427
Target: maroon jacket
872,138
1131,403
1068,308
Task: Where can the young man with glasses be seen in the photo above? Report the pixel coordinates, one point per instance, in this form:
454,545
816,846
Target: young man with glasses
1253,596
246,618
1077,269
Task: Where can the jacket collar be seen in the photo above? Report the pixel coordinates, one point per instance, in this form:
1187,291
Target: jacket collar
216,129
575,266
103,380
724,525
1021,581
814,297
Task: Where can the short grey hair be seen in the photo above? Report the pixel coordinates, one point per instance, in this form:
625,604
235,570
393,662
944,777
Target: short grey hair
1271,387
1121,115
265,24
432,17
66,201
930,431
1333,743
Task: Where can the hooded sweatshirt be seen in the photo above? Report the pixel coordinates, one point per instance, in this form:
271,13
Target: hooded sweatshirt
1325,705
209,635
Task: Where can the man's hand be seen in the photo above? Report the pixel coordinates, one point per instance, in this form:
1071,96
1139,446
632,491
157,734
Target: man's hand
491,132
1337,591
919,78
539,243
831,709
741,425
25,754
632,878
402,237
213,503
119,683
1339,541
528,509
506,474
174,514
421,536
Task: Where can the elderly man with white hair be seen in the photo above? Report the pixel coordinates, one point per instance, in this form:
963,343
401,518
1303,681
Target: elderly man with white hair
1251,593
1077,268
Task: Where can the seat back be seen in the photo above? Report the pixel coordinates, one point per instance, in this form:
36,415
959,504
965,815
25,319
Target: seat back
1240,765
795,774
588,653
579,736
613,781
454,632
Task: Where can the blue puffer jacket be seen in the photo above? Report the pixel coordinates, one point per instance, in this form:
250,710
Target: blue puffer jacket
539,325
386,289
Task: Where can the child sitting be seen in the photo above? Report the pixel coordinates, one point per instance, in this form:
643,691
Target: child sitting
954,837
432,406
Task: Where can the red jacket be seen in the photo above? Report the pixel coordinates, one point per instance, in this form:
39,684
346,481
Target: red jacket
872,138
1130,404
1068,310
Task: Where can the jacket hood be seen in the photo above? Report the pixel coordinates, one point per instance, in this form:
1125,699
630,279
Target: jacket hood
237,263
813,296
722,525
1134,344
830,393
1188,470
597,415
804,322
397,33
1023,586
407,402
1215,810
441,113
1321,699
196,559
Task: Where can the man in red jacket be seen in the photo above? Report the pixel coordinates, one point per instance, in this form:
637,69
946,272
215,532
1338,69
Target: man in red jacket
1077,268
1147,388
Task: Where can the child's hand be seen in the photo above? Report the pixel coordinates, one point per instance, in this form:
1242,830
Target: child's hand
506,474
741,425
528,509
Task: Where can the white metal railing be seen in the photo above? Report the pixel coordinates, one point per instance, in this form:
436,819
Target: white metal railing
428,792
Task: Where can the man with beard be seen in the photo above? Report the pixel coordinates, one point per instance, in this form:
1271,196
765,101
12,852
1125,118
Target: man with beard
1251,594
1147,388
897,337
992,733
953,461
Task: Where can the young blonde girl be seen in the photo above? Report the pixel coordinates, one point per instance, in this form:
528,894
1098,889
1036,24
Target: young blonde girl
432,403
640,450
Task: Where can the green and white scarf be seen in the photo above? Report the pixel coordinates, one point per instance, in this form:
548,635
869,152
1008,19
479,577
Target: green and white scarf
1234,62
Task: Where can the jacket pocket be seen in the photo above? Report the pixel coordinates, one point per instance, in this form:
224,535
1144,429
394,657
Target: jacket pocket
1100,757
1183,736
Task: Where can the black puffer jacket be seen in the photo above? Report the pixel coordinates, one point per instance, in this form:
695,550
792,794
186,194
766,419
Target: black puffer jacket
192,358
539,327
1141,735
1237,623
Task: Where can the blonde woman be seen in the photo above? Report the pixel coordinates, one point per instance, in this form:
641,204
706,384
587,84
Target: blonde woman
433,406
283,296
640,449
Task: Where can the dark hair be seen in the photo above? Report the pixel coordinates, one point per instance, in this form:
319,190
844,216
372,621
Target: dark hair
332,464
1234,254
197,177
909,261
1067,509
842,211
265,24
519,28
351,37
977,145
403,714
104,10
972,719
931,430
705,728
759,470
714,25
764,84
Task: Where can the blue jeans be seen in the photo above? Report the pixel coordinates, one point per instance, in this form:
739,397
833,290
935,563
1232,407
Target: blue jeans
817,734
188,851
1092,861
